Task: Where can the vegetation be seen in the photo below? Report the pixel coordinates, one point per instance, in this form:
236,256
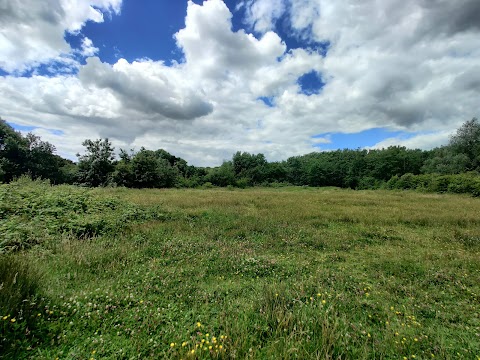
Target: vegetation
290,273
355,169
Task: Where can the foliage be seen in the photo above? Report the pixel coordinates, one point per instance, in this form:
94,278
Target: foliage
96,166
468,183
355,169
33,212
467,141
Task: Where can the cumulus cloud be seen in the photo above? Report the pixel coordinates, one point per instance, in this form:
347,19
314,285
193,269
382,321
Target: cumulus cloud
398,64
32,32
401,65
148,87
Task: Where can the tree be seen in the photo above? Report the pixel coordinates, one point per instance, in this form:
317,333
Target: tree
444,161
13,152
96,166
467,141
41,160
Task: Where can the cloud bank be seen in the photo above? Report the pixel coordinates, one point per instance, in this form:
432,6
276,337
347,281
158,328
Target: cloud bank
400,65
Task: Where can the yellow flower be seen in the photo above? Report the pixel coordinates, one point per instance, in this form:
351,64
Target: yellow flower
415,339
13,320
93,352
199,325
210,347
5,318
192,351
368,335
207,335
220,347
184,344
324,301
172,344
391,308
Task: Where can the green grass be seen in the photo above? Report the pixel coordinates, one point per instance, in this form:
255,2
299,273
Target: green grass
291,273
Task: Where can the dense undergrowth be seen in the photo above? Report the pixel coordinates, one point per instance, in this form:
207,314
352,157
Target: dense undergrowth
33,212
291,273
468,183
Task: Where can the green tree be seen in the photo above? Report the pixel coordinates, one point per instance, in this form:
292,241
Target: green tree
13,152
96,166
223,175
467,141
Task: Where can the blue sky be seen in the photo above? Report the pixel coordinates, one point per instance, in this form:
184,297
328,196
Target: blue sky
204,79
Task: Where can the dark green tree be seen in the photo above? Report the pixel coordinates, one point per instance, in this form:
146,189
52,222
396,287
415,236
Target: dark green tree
96,166
13,152
467,141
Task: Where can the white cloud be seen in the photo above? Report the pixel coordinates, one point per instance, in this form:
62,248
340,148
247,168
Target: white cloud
88,49
400,65
263,14
421,141
32,31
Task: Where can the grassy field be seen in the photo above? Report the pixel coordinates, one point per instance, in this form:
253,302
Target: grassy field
293,273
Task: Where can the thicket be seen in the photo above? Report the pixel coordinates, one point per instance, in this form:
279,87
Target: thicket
34,212
395,167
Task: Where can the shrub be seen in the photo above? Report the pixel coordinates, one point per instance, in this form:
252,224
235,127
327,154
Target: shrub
32,212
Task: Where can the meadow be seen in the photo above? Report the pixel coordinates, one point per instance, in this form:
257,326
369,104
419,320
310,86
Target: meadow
261,273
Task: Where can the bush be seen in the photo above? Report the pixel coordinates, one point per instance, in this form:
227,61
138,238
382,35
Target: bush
467,183
33,212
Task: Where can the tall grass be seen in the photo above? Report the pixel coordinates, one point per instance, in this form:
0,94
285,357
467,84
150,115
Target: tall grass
291,273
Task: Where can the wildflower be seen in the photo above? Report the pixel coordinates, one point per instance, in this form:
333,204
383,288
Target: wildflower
319,294
192,351
93,352
184,344
5,317
207,335
172,345
369,335
199,325
220,347
391,308
415,339
210,347
13,320
276,294
324,301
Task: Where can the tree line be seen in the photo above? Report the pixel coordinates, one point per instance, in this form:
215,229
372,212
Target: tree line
356,169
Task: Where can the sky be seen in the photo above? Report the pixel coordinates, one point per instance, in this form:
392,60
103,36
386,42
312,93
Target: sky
204,79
